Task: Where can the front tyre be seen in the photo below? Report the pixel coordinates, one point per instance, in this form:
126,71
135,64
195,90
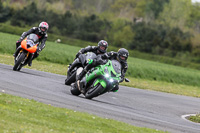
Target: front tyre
70,79
94,91
18,62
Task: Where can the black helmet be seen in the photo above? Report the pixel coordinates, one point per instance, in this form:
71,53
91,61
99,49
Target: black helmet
102,46
122,55
43,27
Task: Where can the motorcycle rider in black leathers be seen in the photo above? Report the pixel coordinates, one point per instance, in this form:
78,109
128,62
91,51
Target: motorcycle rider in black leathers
41,32
100,49
121,56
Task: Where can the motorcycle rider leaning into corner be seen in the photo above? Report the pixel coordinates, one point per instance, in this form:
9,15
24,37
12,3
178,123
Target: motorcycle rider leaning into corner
100,49
121,56
41,32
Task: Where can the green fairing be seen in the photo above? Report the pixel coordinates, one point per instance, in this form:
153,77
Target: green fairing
92,75
101,81
99,70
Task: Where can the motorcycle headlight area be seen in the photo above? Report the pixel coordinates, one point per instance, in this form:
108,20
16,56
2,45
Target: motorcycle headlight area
106,72
109,78
107,75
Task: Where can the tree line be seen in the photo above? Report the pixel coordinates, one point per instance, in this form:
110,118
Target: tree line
147,35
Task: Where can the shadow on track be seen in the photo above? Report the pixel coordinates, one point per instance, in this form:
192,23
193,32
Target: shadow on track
34,74
116,105
103,102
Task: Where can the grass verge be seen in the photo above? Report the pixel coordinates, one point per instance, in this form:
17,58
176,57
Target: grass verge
195,118
23,115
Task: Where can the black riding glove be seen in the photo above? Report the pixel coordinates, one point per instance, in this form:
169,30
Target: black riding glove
38,50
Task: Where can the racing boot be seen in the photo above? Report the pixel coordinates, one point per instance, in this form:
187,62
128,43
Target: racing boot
81,85
30,63
33,57
82,74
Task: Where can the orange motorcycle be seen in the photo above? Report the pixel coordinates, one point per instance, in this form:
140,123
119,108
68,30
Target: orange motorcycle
24,53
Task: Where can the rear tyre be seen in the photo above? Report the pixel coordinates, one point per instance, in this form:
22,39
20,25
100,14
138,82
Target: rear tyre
70,79
94,91
17,66
75,91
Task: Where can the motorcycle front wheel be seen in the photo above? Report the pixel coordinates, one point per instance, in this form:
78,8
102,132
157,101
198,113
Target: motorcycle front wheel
70,79
18,62
94,91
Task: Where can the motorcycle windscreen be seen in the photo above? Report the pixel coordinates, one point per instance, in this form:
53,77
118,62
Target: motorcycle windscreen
90,55
33,37
30,43
117,66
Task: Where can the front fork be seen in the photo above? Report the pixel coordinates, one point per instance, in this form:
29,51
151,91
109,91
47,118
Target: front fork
26,60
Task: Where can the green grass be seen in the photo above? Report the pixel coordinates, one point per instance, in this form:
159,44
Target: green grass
138,68
184,61
28,116
195,118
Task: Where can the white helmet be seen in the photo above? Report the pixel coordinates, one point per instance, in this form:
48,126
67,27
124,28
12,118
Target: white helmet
43,27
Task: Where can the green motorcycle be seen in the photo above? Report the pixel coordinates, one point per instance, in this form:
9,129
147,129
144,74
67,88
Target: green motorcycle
99,80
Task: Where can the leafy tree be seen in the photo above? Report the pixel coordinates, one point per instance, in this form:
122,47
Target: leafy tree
157,39
27,16
194,18
146,37
153,8
92,28
68,23
124,8
92,6
5,13
120,33
175,13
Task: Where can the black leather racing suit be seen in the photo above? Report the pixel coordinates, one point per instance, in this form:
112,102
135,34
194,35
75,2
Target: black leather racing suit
42,38
93,49
80,57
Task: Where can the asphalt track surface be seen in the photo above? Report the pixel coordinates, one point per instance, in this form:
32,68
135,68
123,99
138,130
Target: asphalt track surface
137,107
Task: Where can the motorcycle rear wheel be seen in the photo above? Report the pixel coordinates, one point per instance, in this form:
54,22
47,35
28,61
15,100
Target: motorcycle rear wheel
75,91
17,66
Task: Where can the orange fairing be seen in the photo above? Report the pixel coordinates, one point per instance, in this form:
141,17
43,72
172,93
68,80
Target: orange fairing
31,49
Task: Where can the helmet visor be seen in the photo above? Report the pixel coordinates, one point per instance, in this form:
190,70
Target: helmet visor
102,48
123,58
43,29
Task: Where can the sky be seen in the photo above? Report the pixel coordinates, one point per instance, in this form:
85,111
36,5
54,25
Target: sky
195,1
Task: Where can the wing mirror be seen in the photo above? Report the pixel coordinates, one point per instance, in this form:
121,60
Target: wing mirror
127,80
